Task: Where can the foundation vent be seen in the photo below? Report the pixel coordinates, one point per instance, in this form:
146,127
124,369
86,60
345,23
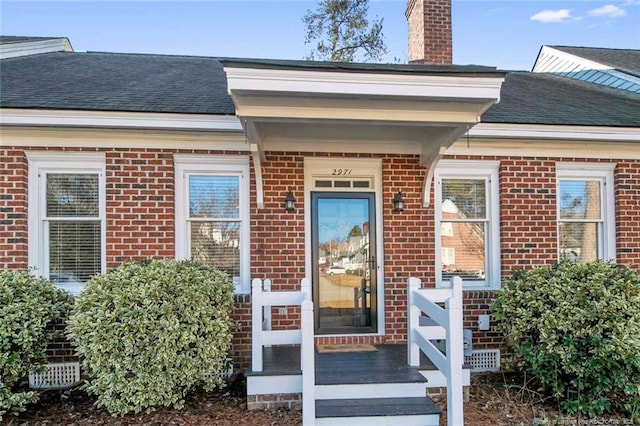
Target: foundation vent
484,360
56,376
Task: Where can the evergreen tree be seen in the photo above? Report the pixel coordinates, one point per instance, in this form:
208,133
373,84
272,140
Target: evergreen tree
342,33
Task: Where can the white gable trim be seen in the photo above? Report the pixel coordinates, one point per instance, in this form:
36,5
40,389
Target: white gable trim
35,47
557,61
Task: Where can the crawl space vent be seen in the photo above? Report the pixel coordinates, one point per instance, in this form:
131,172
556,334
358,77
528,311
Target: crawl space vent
56,376
483,360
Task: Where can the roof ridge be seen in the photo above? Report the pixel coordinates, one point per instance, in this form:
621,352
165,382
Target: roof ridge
169,55
592,47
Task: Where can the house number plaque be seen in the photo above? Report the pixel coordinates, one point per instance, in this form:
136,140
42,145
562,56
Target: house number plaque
341,172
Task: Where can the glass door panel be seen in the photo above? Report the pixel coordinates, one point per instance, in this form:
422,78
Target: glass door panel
344,263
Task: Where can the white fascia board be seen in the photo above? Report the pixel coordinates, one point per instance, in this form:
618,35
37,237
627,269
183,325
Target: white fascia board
14,50
541,131
75,118
362,84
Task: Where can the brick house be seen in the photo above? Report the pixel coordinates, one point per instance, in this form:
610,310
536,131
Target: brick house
111,157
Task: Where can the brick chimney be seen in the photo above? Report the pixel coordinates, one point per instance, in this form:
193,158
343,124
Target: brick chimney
430,38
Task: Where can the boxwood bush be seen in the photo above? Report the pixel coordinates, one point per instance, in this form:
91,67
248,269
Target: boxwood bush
28,306
149,332
576,328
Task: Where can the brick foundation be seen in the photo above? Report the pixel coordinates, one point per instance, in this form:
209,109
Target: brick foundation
291,401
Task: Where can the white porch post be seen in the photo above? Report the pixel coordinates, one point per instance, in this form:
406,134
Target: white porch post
256,325
307,361
413,315
266,311
455,355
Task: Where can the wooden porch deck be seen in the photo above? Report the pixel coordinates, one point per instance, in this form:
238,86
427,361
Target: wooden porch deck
387,365
359,388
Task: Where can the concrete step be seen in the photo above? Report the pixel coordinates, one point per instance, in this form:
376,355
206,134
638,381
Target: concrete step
415,411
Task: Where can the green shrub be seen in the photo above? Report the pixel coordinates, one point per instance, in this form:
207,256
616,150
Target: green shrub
27,306
576,328
149,332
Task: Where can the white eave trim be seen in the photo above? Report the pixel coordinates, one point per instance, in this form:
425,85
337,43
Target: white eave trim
362,84
35,47
540,131
109,119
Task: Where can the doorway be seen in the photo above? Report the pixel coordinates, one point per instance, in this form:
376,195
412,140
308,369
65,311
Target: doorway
344,264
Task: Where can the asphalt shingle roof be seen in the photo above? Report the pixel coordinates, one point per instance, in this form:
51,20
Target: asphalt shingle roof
540,98
186,84
627,60
115,82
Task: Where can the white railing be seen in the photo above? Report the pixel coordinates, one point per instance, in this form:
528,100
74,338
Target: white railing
307,360
449,327
262,300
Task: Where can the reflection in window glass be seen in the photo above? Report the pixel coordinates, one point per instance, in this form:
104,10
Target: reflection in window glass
465,251
214,196
580,223
217,244
72,195
463,228
578,241
579,199
465,197
214,222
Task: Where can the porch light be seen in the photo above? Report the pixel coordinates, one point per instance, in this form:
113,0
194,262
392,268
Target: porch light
398,202
289,203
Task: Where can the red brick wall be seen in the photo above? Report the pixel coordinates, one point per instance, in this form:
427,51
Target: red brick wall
627,196
140,205
13,209
528,218
140,209
277,237
409,240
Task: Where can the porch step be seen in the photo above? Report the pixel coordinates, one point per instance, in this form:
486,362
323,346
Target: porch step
415,411
371,390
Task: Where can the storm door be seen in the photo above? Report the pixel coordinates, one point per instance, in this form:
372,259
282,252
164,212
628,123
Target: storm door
343,262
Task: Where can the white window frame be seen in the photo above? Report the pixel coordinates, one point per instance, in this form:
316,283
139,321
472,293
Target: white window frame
213,165
42,163
602,172
471,169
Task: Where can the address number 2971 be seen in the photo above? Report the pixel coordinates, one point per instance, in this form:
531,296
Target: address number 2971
341,172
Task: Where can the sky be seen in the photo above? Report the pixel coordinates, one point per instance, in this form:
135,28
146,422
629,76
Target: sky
507,34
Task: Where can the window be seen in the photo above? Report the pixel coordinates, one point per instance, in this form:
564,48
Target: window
67,217
586,228
212,213
467,220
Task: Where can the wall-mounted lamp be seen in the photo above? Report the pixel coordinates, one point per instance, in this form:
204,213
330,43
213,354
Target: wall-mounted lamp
398,202
289,203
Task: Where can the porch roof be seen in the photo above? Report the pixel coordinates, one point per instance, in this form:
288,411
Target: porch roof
295,103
